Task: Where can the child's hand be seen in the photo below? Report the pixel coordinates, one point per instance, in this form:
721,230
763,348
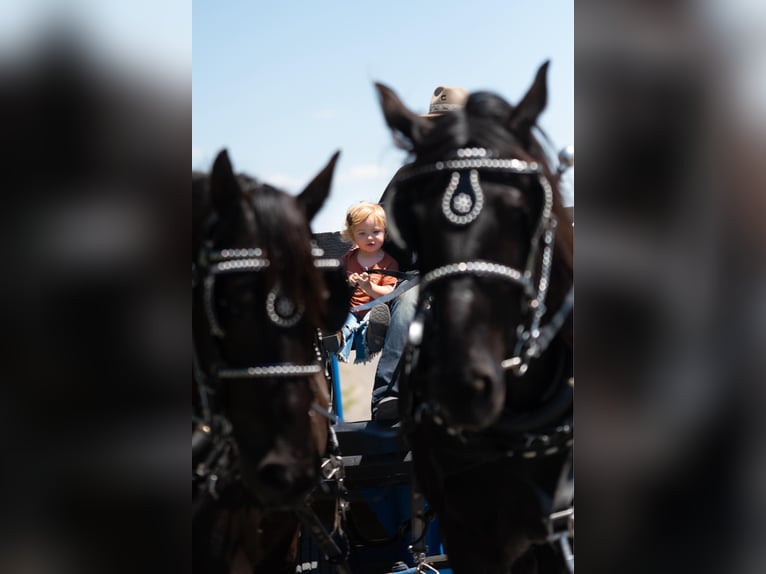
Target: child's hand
364,280
359,280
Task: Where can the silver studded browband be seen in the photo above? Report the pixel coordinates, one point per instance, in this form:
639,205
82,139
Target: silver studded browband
251,260
327,263
237,265
270,371
322,262
229,254
229,260
472,158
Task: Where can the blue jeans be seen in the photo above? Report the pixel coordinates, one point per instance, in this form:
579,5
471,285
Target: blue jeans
354,333
387,372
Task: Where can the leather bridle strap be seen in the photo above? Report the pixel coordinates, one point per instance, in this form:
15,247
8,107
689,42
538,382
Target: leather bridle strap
329,548
203,387
562,513
411,279
549,331
270,371
535,339
480,268
392,273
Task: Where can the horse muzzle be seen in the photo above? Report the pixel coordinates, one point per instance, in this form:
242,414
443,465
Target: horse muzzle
471,399
282,482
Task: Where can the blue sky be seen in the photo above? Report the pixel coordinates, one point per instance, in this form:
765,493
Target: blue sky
283,85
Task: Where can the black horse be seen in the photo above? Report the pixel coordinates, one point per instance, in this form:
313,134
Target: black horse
261,291
487,386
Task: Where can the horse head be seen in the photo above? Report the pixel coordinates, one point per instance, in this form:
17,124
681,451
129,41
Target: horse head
480,208
261,292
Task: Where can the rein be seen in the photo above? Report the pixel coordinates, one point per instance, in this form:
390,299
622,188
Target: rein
461,204
408,280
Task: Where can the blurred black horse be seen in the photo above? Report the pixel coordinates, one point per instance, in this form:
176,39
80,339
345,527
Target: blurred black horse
261,291
487,390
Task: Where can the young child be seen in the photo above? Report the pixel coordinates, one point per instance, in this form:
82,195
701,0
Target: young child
366,330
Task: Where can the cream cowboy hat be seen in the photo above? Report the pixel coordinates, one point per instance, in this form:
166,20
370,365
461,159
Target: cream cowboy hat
446,99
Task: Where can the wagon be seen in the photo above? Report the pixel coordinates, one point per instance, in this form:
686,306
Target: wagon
379,522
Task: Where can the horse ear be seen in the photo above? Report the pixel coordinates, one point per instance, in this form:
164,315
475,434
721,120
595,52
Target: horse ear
406,125
525,115
314,195
225,192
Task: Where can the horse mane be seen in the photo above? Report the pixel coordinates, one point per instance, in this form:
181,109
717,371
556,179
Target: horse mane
285,237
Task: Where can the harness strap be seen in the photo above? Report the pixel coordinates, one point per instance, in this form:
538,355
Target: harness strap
393,273
203,387
333,418
410,281
202,438
564,495
548,332
270,371
329,548
479,268
562,510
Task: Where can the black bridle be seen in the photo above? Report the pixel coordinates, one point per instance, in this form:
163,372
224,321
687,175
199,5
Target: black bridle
461,204
214,451
280,310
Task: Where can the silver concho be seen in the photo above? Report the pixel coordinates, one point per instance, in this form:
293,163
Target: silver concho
462,204
281,310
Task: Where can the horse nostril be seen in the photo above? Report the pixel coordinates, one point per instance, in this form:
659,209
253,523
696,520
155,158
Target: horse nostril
480,385
274,476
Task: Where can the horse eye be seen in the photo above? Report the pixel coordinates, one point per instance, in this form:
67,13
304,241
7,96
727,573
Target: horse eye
513,197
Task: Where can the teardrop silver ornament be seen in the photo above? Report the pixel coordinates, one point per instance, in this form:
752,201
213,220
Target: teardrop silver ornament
282,310
461,202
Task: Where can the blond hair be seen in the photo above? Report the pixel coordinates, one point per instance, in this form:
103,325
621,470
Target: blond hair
358,213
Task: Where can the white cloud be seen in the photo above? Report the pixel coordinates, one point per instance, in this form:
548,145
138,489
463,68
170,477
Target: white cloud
363,172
